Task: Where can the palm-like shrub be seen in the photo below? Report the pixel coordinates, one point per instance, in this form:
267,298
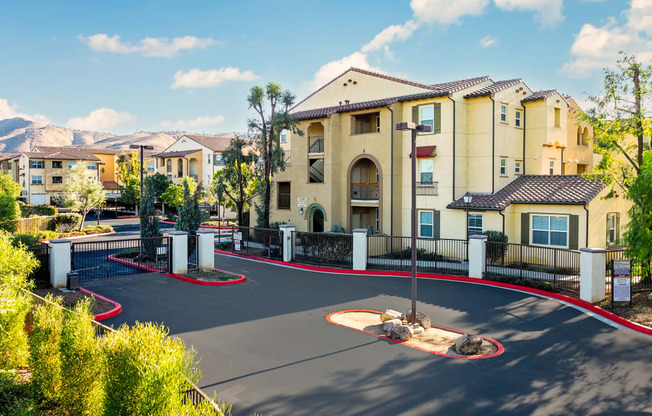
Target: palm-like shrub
45,357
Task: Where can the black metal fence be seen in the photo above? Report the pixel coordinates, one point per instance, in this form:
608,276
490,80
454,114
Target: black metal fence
324,249
112,258
442,255
193,256
559,267
41,275
255,241
641,271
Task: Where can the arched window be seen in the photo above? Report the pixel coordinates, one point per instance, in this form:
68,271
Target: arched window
169,165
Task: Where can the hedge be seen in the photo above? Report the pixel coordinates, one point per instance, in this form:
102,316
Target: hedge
29,210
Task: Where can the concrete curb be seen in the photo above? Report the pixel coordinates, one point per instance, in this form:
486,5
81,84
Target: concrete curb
200,226
78,237
105,315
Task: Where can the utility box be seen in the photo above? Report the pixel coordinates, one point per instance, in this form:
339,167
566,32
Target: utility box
73,281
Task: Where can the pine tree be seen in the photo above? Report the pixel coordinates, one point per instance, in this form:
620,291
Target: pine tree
189,215
149,223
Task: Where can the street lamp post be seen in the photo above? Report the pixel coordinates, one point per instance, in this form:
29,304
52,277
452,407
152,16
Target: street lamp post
467,200
141,147
414,128
98,212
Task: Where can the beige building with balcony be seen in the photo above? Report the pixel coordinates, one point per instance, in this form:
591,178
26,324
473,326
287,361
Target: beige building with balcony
351,167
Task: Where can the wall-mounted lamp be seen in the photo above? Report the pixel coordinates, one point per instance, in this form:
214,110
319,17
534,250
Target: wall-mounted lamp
301,211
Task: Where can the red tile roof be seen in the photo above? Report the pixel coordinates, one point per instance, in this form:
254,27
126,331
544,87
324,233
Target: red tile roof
494,88
179,153
215,143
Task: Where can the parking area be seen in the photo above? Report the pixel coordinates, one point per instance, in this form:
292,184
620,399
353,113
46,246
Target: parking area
265,346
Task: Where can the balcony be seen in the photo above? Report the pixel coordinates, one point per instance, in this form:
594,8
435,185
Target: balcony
316,145
365,192
427,188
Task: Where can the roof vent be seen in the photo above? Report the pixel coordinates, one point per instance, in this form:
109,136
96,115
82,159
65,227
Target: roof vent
347,102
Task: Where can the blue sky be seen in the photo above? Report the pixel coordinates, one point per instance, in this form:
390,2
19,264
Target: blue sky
122,66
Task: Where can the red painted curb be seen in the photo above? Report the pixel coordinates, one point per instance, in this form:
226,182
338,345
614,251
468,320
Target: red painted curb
132,264
105,315
200,226
77,237
577,302
499,347
128,217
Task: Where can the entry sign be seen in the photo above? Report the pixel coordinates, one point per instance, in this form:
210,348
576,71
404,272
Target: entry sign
237,236
301,202
621,284
237,245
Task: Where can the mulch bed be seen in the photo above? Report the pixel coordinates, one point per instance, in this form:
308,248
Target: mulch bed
640,311
212,276
71,298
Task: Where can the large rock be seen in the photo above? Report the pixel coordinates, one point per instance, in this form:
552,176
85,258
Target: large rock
422,319
401,332
468,344
390,324
390,314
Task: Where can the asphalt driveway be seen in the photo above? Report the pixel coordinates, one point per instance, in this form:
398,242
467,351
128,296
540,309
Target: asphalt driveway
265,346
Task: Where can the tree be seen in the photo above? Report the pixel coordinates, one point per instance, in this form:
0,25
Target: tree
83,192
128,175
149,225
8,186
267,128
638,232
160,184
9,212
130,192
620,120
189,213
173,195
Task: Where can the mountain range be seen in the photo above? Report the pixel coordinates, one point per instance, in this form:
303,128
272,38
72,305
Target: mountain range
21,135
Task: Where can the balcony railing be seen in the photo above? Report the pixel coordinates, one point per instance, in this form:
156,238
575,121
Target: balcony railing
367,191
316,144
427,188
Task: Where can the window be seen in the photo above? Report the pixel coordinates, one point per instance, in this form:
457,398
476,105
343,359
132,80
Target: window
517,120
474,224
169,165
366,123
170,178
150,167
284,195
9,165
426,224
503,113
71,164
503,167
612,228
284,136
219,161
36,164
377,220
208,158
91,165
557,117
582,169
427,115
552,167
57,164
57,179
425,171
517,167
550,230
37,180
316,174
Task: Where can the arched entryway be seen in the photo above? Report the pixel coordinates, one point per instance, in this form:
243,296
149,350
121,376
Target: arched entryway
365,184
193,169
316,217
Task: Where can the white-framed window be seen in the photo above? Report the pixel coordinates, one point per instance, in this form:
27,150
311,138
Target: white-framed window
36,164
550,230
427,115
517,167
503,113
219,160
37,180
150,167
426,227
474,224
517,119
208,158
284,136
612,230
425,171
91,165
9,165
552,167
168,165
503,167
71,164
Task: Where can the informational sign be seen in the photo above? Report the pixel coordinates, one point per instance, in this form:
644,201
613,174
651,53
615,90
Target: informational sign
237,236
301,202
237,245
621,289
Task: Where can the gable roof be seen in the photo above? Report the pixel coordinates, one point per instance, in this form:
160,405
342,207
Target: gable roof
494,88
8,156
536,189
215,143
178,153
455,86
539,95
62,153
86,150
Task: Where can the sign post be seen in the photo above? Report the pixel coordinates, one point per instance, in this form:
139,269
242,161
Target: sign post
621,281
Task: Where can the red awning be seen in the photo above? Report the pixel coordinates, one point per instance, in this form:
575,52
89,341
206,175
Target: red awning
424,151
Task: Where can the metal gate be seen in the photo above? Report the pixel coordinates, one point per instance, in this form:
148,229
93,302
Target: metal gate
114,258
41,275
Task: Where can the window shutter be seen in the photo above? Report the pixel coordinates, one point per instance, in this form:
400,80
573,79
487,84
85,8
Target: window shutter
617,228
607,229
573,232
436,233
415,114
437,128
525,228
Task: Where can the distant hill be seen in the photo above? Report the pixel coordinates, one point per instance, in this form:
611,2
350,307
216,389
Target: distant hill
20,135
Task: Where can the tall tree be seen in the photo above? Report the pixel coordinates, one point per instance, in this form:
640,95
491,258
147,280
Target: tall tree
149,223
621,119
9,210
189,213
83,192
8,186
173,195
128,175
272,106
638,233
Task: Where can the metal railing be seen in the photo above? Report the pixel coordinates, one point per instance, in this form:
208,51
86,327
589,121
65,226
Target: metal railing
556,266
641,271
330,249
41,275
438,255
193,245
365,191
316,144
427,188
257,242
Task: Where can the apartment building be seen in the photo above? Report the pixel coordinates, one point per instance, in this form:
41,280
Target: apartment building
502,139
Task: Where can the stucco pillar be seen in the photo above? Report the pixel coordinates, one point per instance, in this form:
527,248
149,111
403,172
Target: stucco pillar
286,235
477,255
205,250
179,245
593,271
59,262
360,249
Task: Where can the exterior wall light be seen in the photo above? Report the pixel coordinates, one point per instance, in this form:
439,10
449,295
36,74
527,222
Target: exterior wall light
301,211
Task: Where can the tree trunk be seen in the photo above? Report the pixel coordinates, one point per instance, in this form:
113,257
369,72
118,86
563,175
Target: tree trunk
268,179
638,117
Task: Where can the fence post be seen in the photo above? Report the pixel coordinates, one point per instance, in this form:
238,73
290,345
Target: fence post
593,272
477,248
360,249
179,241
59,262
286,238
205,250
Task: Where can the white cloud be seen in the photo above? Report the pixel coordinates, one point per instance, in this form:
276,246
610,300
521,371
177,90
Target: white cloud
157,47
389,35
446,12
597,47
548,12
196,78
196,122
102,119
332,69
9,111
488,41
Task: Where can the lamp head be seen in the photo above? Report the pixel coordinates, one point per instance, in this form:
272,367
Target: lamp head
467,198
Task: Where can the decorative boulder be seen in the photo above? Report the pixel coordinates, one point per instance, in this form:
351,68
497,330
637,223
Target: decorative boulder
418,330
388,325
468,344
401,332
422,319
390,314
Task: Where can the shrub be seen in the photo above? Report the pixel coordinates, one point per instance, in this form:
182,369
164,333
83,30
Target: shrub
46,235
9,212
81,363
45,358
27,240
496,252
67,222
521,281
146,370
29,210
223,245
15,398
96,229
336,228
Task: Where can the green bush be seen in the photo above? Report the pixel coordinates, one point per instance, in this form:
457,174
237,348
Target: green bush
223,245
15,398
67,222
29,210
496,252
46,235
147,371
521,281
9,212
27,240
82,384
45,357
96,229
